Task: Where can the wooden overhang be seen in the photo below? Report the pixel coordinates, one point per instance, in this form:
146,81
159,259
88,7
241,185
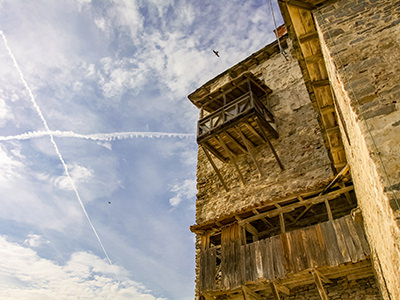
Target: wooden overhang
234,120
340,185
299,20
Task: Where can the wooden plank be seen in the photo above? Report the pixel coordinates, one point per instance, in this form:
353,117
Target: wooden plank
322,246
333,254
258,260
249,294
320,287
282,223
299,256
352,243
287,252
363,239
341,241
268,264
221,179
278,257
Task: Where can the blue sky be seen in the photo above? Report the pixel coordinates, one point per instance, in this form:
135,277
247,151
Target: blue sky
109,77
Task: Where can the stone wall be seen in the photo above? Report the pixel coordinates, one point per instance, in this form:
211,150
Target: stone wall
360,41
300,147
342,289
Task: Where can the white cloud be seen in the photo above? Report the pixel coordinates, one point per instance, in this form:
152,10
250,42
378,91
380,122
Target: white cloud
184,191
35,240
5,112
25,275
79,174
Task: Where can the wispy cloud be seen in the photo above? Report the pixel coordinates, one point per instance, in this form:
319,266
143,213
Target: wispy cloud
96,136
183,191
25,275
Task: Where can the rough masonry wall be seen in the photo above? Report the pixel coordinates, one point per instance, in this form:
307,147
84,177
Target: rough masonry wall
300,147
342,289
360,41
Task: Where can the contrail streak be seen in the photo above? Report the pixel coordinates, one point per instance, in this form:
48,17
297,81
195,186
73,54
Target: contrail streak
95,136
44,122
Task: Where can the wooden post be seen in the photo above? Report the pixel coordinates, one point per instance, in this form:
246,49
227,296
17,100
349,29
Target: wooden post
320,287
282,223
215,168
328,209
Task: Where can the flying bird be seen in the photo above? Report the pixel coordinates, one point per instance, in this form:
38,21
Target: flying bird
109,202
216,53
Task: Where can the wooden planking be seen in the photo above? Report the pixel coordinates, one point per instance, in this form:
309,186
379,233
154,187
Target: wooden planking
331,243
208,269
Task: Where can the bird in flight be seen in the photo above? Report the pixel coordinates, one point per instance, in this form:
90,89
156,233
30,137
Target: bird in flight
109,202
216,53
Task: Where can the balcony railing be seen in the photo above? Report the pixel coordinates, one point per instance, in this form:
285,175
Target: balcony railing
330,243
232,112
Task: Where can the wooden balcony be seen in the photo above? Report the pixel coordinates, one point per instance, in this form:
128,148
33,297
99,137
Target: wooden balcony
338,246
230,130
234,120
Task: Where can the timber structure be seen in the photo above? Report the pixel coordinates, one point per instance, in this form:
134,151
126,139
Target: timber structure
290,181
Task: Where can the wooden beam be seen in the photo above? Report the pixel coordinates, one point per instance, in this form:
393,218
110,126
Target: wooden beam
275,291
315,58
249,294
328,209
256,212
300,4
291,207
233,158
215,168
308,36
269,144
283,289
337,178
207,296
250,150
253,131
320,287
235,141
214,152
323,278
282,223
320,83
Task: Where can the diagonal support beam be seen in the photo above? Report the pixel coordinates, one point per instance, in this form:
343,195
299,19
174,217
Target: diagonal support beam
249,294
235,141
250,149
320,287
275,291
269,144
232,158
215,168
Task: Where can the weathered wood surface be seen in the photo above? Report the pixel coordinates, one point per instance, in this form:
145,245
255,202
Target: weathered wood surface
326,244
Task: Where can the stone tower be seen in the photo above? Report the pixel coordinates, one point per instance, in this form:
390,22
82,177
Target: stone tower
298,166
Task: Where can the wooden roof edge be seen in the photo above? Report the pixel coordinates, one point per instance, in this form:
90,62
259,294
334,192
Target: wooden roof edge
229,218
266,51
